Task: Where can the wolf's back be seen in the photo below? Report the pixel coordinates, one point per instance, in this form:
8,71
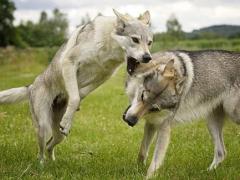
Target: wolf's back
14,95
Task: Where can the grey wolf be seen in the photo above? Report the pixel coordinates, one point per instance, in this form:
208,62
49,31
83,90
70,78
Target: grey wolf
90,56
179,86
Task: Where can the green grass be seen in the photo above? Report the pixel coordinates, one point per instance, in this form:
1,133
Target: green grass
226,44
101,145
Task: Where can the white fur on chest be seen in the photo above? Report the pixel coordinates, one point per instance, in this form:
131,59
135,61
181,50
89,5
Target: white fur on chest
96,72
97,57
98,66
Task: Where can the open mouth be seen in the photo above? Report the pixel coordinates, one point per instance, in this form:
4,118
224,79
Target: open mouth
154,109
132,64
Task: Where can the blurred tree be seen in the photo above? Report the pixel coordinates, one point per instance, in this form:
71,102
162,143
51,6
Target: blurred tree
47,32
86,19
59,25
174,28
26,31
43,17
8,33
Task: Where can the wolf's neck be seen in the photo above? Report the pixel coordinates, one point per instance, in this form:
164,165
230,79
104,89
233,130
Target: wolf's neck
112,47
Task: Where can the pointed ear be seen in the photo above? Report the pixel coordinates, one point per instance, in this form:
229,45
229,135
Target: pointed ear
121,17
179,85
145,17
169,70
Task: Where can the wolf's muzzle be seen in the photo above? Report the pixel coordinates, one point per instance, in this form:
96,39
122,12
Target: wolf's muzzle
131,120
146,58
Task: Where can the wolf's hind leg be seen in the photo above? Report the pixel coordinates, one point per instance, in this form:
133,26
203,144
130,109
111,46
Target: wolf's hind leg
149,131
57,137
41,113
215,126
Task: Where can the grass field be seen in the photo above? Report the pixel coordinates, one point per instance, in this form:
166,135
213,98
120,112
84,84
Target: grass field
101,145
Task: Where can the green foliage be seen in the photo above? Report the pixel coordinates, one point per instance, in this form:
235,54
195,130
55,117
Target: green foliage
208,35
215,31
8,33
163,43
21,57
174,31
237,35
174,28
47,32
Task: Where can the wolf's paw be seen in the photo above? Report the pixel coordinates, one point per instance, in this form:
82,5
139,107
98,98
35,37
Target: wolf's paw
65,127
41,162
151,173
216,161
214,165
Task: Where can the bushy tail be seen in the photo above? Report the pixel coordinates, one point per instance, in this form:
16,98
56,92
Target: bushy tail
13,95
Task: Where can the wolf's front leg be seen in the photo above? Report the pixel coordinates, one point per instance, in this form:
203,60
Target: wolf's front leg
70,79
149,131
163,137
215,127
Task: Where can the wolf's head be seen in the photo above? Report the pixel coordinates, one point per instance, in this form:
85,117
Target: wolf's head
134,36
160,89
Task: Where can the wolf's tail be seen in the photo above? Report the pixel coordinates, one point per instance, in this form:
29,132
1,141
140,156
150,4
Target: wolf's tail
14,95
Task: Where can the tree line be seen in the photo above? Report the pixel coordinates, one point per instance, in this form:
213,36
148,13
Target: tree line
48,31
52,31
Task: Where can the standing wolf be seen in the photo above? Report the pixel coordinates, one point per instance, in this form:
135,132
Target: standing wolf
88,59
186,85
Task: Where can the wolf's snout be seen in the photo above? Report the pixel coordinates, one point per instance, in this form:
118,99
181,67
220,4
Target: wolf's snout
146,58
131,120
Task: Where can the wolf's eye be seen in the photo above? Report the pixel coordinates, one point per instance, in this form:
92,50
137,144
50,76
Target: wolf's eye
136,40
149,43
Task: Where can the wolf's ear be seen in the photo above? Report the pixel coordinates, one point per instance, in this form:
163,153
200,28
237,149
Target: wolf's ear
121,18
180,84
169,70
145,17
